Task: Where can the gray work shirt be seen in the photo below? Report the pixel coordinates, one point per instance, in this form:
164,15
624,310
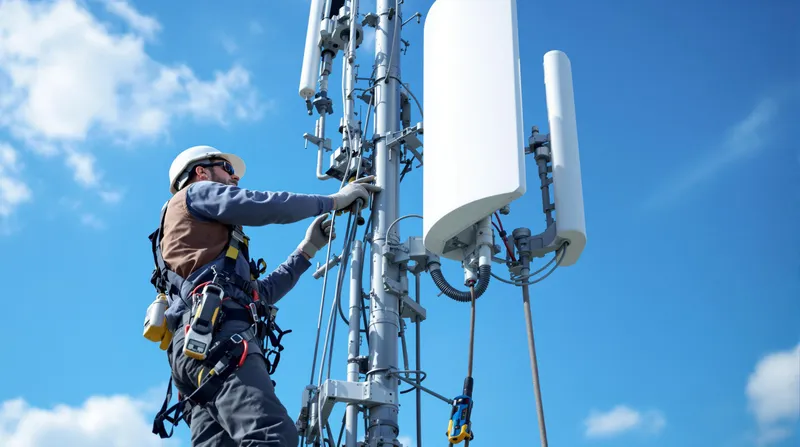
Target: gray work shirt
196,234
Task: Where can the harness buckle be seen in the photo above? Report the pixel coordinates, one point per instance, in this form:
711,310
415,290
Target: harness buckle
253,312
236,338
238,236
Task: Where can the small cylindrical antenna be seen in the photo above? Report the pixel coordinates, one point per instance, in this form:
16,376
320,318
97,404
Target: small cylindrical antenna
567,189
310,72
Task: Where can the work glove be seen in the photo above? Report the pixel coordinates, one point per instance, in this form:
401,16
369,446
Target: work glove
352,192
317,236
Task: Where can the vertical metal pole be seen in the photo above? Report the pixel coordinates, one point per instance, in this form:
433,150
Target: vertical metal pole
354,335
353,340
417,365
384,306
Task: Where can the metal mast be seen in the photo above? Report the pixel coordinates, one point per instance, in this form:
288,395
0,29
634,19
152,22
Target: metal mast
377,395
384,303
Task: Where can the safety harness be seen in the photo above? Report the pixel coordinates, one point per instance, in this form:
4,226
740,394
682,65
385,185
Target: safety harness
227,355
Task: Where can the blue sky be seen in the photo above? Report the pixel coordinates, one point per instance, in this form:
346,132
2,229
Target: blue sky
678,326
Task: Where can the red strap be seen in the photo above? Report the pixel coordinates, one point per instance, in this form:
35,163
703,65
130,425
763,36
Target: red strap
244,354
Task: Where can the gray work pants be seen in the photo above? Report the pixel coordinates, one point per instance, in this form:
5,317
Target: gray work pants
245,411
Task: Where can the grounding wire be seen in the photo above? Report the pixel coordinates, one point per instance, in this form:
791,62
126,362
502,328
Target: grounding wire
408,89
388,230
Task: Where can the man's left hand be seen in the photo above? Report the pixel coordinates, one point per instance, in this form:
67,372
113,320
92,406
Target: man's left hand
317,236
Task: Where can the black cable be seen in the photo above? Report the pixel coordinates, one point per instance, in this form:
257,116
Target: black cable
341,431
363,304
349,237
342,267
484,276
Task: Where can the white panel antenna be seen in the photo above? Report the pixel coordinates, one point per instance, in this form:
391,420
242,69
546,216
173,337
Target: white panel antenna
474,163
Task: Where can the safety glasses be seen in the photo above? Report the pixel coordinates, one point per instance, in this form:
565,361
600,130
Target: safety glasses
227,167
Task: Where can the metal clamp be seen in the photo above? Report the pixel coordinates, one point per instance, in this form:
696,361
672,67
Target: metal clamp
408,138
333,391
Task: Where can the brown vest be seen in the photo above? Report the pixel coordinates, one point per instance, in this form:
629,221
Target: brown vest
188,243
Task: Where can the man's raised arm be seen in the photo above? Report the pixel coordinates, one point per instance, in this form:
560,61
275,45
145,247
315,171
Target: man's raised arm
234,205
238,206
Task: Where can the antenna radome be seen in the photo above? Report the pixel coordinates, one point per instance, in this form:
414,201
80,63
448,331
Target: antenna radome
567,187
309,74
474,162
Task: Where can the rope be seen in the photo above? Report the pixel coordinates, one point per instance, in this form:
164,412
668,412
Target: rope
471,329
526,303
471,339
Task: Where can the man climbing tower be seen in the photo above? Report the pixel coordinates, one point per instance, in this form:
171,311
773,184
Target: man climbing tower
200,241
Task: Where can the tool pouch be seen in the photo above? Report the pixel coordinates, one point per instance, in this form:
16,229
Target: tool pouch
205,315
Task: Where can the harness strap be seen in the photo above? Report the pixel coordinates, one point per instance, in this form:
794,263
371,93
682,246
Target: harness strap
159,278
163,414
273,355
266,330
223,360
238,242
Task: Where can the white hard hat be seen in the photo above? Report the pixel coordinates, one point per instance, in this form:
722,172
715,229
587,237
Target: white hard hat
178,170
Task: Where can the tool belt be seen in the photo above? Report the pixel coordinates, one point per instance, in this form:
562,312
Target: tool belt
224,358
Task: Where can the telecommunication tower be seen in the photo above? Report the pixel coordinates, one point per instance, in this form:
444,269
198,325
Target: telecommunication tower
474,128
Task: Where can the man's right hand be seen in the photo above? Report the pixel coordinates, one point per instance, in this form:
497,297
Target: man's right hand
352,192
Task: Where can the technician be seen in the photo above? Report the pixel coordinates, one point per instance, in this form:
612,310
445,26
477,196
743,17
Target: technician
200,235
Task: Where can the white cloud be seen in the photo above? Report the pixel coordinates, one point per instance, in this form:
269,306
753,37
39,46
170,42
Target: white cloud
744,139
101,421
66,78
145,25
621,419
13,190
406,441
69,75
256,28
229,44
111,196
83,166
92,221
773,393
